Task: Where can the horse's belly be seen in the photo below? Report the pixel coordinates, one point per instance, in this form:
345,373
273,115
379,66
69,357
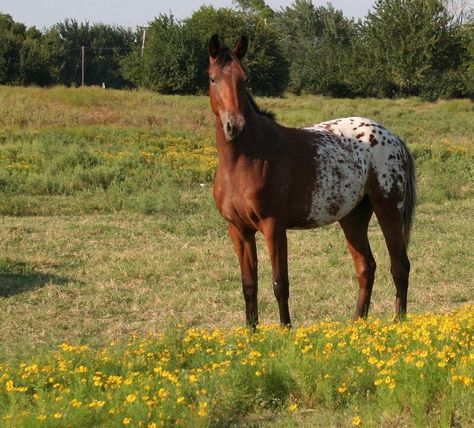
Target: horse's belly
330,206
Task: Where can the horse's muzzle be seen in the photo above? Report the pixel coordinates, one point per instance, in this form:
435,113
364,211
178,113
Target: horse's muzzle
233,126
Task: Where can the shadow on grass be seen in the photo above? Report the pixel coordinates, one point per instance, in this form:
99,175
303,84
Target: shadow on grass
18,277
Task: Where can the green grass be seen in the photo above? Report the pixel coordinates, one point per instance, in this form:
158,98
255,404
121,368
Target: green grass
107,151
108,229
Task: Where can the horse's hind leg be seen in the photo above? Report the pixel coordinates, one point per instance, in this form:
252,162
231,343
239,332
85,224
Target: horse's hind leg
355,226
390,220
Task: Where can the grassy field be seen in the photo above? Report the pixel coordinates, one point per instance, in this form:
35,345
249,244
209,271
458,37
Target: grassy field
108,230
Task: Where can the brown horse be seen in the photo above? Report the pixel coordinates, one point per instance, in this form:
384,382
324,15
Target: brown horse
271,178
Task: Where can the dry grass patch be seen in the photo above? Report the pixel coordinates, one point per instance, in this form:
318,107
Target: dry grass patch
94,278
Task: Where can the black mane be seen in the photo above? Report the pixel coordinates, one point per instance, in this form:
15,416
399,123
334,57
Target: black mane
263,112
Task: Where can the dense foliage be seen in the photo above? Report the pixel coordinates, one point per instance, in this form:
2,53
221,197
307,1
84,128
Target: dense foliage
402,48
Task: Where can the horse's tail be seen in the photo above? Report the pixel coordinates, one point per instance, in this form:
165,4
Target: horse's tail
410,196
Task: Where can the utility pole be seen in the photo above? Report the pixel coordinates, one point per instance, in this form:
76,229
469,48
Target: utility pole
143,38
82,57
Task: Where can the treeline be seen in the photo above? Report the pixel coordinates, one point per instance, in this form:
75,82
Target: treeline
402,48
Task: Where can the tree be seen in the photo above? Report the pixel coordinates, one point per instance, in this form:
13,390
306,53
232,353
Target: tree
267,66
54,52
170,61
34,60
132,64
255,7
467,66
28,56
318,44
11,36
407,42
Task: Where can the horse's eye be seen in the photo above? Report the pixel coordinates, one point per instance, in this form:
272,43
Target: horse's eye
212,79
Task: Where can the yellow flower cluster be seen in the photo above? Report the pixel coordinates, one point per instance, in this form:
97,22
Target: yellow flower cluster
186,374
15,163
455,147
183,155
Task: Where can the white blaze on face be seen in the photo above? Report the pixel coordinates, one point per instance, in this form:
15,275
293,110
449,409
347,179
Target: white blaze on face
346,150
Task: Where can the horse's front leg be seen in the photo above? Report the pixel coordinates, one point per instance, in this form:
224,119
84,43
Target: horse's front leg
246,249
275,236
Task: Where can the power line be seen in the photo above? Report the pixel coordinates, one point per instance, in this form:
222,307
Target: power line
107,48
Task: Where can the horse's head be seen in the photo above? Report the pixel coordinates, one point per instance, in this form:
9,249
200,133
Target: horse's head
227,85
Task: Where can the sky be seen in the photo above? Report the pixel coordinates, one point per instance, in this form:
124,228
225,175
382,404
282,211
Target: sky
44,13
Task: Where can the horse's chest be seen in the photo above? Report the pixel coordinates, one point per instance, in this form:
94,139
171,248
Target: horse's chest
239,201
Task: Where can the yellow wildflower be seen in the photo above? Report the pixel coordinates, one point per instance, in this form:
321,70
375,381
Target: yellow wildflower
163,393
130,398
96,404
343,388
75,402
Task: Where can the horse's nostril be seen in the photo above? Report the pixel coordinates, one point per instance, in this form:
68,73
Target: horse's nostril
229,127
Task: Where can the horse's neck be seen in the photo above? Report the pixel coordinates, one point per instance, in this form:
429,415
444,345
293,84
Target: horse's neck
250,145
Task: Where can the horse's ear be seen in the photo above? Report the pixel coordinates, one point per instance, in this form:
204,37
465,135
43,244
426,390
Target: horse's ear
214,46
241,47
